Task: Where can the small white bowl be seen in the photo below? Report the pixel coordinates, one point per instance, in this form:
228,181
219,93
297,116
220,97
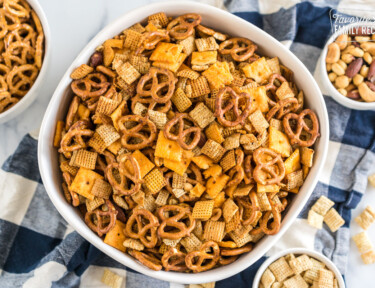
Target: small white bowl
343,100
35,89
299,251
222,21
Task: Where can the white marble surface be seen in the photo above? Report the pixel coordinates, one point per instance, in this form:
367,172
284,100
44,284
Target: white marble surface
73,23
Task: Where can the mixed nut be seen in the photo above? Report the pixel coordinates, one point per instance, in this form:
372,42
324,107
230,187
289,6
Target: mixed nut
351,67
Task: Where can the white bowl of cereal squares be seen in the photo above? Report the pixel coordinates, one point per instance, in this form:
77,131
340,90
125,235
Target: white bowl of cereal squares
347,66
298,268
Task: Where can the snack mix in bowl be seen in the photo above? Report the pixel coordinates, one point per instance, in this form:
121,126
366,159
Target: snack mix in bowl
22,48
182,146
351,67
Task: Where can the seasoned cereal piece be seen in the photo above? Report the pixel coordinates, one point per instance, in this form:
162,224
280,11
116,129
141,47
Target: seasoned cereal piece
293,164
228,161
325,278
307,156
284,91
232,141
312,274
188,45
111,279
213,150
199,87
258,121
154,181
203,209
264,203
133,39
274,65
281,269
181,101
218,75
162,198
101,189
84,158
371,179
128,73
267,278
84,182
363,242
214,131
294,180
191,243
202,115
300,264
322,205
108,134
133,244
366,218
81,72
106,106
198,190
333,220
229,209
93,204
160,17
160,119
214,230
206,44
315,219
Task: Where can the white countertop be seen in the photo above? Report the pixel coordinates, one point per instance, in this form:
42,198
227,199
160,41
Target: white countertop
73,23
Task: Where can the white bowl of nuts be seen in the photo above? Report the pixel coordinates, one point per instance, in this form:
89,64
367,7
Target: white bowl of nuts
298,267
347,66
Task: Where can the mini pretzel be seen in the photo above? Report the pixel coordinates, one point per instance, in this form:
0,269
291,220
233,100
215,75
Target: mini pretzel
226,260
151,39
7,101
266,171
240,49
123,175
234,103
8,22
72,112
17,9
194,171
274,227
208,31
145,224
182,135
139,132
75,134
18,53
23,32
183,26
151,104
102,226
174,260
237,173
156,90
149,261
93,85
202,264
282,108
21,78
253,206
271,82
173,221
68,181
236,251
295,137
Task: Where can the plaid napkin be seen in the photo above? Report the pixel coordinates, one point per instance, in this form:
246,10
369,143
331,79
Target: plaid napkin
39,249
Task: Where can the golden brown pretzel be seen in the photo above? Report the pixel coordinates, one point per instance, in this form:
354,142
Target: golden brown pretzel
282,108
240,49
118,171
72,112
21,78
253,206
6,101
295,137
182,134
18,53
236,251
151,104
73,195
234,103
174,221
149,261
93,85
75,134
266,171
156,91
102,226
174,260
237,173
17,8
145,224
144,132
183,26
202,264
271,82
151,39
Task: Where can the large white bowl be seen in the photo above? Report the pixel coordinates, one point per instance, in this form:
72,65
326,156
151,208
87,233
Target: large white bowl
298,251
223,21
343,100
35,89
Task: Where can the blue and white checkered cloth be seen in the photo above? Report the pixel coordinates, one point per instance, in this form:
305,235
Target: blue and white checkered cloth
39,249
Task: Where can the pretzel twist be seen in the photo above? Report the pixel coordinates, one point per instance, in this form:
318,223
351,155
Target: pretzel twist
183,26
266,171
21,78
157,88
197,261
240,49
174,260
174,221
75,134
236,251
149,261
282,108
253,206
151,39
93,85
182,134
295,137
237,173
124,175
146,233
102,226
151,104
144,132
234,103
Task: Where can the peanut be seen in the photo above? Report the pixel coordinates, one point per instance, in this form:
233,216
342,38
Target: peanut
342,64
357,79
364,71
357,52
328,67
369,47
332,76
333,53
338,69
347,58
342,41
342,91
367,57
342,82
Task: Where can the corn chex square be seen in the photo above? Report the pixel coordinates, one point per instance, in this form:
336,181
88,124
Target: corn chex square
111,279
84,158
300,264
295,282
258,121
180,100
315,219
213,150
199,87
159,118
106,106
162,198
128,73
154,181
133,39
97,143
366,218
239,239
108,134
368,257
202,115
191,243
101,189
267,278
333,220
281,269
203,209
363,242
228,161
232,141
214,230
322,205
229,209
206,44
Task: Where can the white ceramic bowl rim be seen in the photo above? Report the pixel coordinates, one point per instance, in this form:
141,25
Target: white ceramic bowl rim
21,105
298,251
335,94
47,155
